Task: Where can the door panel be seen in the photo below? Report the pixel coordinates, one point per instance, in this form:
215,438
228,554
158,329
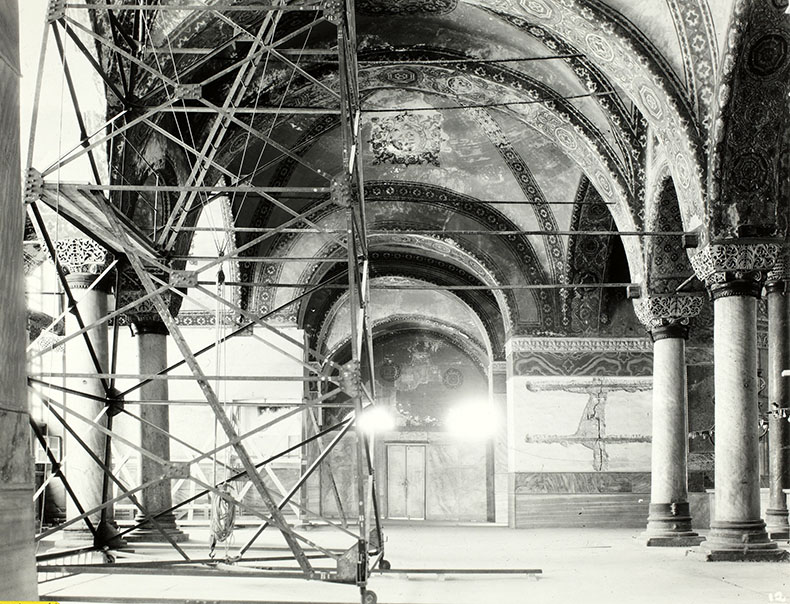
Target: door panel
396,481
406,481
415,482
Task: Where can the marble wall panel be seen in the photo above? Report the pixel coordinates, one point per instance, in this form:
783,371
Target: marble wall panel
629,413
456,482
547,412
628,457
553,457
341,460
611,510
579,426
582,482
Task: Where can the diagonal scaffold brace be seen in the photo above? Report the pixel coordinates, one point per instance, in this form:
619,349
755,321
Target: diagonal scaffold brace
164,312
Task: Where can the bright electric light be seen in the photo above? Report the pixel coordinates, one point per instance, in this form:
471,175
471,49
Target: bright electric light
472,421
376,419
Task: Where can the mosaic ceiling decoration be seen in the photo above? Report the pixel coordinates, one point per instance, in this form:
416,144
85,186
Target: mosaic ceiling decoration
405,7
407,138
631,66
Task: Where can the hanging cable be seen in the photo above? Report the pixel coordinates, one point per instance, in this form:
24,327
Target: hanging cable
223,503
223,518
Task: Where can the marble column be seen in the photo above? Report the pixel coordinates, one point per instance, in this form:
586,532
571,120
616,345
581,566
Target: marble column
669,520
734,274
498,384
776,515
83,260
151,334
17,559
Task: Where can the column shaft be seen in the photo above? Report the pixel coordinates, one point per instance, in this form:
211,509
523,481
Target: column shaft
17,564
501,478
669,523
776,515
735,383
670,422
737,532
152,347
83,260
83,473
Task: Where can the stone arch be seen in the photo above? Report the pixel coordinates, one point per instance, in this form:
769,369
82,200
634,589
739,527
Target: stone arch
307,272
477,348
427,246
633,69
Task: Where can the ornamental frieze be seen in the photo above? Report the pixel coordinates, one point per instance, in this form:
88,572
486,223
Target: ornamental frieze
405,7
577,357
588,384
583,364
697,37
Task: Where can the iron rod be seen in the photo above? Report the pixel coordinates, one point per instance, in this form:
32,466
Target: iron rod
232,334
238,475
442,287
218,6
56,469
154,376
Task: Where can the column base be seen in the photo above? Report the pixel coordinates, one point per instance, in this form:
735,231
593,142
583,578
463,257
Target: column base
150,534
672,540
776,521
107,536
669,525
742,542
75,537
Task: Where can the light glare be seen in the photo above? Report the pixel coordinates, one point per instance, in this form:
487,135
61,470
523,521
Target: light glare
472,421
376,419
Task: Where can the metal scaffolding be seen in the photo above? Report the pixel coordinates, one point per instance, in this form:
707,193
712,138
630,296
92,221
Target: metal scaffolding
145,82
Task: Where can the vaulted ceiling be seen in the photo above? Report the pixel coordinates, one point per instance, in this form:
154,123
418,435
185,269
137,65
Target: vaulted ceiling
503,143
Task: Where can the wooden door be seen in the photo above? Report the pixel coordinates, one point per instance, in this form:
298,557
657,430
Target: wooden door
406,481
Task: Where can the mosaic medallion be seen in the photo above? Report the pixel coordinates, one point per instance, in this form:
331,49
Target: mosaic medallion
407,138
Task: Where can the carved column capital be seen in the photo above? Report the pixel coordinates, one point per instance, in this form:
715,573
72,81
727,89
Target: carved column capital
735,269
143,317
667,316
82,260
778,276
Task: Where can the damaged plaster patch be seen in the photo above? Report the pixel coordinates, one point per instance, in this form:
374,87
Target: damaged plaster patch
407,138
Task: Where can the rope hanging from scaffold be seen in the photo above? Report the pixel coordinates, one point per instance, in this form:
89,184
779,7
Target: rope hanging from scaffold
223,503
223,516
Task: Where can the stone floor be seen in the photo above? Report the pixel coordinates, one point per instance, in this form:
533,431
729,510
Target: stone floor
585,566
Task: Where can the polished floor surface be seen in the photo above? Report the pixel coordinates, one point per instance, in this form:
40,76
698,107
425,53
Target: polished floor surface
578,566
